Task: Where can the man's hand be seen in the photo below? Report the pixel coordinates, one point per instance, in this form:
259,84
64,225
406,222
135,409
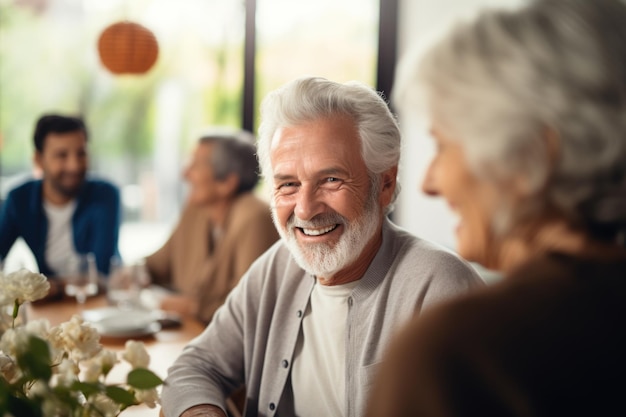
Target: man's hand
204,410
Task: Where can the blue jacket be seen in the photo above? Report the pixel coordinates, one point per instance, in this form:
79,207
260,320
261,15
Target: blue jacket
95,222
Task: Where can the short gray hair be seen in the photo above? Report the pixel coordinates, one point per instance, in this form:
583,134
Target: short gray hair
233,153
501,83
308,99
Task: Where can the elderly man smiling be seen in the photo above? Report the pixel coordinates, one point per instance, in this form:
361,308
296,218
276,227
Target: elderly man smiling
308,323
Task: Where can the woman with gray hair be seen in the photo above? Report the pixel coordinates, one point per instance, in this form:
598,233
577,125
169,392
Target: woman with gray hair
528,112
223,229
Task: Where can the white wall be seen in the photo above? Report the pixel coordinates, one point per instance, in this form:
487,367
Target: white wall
419,21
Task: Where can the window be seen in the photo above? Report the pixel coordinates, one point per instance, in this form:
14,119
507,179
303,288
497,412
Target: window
336,39
142,128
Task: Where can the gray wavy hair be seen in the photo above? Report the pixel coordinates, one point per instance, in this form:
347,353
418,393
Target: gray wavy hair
503,82
308,99
234,153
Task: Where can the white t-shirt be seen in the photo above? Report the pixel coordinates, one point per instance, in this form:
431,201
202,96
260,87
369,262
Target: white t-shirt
319,363
60,243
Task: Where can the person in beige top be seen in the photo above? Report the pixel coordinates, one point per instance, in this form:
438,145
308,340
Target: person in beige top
222,230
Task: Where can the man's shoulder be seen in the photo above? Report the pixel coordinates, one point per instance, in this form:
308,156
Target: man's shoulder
25,194
277,256
412,249
419,264
97,189
276,263
275,272
25,187
101,184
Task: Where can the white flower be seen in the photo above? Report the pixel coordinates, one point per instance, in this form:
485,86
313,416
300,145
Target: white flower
38,389
53,407
9,369
92,372
23,285
39,328
136,354
148,396
80,340
105,406
74,347
14,341
67,372
57,347
100,365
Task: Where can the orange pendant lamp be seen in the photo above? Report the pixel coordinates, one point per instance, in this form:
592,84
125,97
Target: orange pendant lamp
127,48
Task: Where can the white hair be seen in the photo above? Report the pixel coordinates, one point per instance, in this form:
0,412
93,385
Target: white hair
504,82
308,99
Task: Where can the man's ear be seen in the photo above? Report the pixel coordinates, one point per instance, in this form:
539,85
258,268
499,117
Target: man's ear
388,185
37,159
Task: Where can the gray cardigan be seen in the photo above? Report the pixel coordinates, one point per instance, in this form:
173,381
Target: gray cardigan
252,338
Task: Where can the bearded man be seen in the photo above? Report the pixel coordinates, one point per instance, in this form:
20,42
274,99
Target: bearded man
309,321
63,213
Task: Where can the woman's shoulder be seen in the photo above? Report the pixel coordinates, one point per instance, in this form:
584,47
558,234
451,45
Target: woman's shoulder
533,296
250,203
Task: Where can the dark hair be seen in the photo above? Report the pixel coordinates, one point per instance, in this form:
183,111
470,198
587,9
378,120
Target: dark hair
234,153
54,123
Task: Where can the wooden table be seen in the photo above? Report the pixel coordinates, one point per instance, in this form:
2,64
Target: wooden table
163,347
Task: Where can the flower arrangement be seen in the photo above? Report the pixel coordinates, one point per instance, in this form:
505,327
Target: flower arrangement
61,371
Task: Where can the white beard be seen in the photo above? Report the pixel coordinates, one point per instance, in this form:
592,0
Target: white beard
323,260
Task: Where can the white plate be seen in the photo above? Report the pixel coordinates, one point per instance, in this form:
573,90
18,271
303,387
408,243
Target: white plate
114,322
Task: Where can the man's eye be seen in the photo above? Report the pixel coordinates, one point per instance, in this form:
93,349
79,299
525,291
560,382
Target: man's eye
333,180
287,187
331,183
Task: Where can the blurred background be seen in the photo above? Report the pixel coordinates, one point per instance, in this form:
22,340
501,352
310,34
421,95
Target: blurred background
217,60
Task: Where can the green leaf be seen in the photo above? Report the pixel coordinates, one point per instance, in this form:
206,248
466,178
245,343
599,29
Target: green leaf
141,378
23,408
66,395
121,396
35,360
87,388
39,347
4,396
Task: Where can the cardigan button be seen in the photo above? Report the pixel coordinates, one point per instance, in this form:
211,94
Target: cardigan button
299,313
285,363
272,406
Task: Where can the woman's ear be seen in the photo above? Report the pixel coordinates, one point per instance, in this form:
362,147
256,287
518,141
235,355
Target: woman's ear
542,167
229,185
552,143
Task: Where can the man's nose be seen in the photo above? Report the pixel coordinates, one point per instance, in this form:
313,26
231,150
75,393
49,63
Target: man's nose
308,203
76,163
185,172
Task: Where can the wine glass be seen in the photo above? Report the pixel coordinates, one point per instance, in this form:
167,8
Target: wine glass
123,284
81,277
